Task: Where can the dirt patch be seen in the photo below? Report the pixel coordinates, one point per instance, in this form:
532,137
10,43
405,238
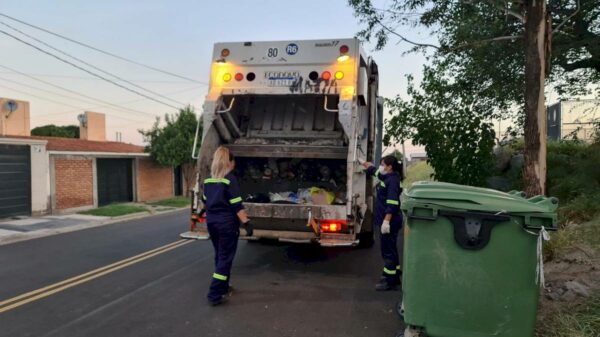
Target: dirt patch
571,280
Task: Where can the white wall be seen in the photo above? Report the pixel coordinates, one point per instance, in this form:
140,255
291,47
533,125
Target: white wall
40,180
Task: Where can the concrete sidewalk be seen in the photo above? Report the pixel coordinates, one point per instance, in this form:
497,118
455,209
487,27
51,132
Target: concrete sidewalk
26,228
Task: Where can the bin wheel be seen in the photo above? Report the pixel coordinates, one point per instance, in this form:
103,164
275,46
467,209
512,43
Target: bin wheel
400,310
411,332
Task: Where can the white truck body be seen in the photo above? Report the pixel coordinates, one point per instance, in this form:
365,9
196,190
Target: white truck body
312,100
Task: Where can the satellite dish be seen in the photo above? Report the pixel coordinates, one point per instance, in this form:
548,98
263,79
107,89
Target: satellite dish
10,106
82,118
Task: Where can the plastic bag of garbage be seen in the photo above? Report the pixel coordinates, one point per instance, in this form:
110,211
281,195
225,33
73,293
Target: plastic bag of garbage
281,197
320,196
304,195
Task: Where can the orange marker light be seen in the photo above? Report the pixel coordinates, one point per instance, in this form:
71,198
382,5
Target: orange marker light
343,58
339,75
227,77
225,52
326,75
239,77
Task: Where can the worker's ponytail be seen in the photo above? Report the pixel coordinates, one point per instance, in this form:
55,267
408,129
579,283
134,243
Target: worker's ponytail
396,165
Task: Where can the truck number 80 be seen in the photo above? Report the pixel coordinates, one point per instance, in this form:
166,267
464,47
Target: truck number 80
272,52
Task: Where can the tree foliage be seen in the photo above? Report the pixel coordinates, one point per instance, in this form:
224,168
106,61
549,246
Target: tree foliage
171,144
51,130
458,142
477,69
486,37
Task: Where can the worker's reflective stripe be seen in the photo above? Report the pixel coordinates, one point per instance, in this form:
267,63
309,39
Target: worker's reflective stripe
382,184
398,267
389,272
203,197
217,181
393,202
235,200
220,277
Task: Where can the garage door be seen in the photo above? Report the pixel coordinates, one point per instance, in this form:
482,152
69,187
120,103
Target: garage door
114,181
15,180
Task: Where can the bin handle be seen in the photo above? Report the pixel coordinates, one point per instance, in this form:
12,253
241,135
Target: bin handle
419,217
411,215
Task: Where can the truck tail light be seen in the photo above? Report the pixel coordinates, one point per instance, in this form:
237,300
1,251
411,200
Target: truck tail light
227,77
239,77
344,49
313,75
326,75
332,226
339,75
250,77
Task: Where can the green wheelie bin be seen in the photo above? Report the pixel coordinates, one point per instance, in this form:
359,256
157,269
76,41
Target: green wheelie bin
472,260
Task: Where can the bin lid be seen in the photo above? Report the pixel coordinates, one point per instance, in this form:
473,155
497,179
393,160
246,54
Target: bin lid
476,198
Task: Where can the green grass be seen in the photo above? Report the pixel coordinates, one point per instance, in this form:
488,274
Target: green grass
572,235
172,202
115,210
581,321
417,172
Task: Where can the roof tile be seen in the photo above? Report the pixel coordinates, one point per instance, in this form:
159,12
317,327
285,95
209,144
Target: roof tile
81,145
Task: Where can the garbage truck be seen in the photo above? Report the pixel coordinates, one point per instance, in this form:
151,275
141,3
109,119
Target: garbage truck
299,117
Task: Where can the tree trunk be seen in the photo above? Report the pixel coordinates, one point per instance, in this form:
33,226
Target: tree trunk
536,43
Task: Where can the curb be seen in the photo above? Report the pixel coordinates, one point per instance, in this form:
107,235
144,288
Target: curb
42,233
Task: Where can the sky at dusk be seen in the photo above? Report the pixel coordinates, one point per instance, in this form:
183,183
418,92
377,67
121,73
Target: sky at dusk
176,36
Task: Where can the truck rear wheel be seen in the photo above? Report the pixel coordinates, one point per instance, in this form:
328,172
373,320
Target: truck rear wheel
366,239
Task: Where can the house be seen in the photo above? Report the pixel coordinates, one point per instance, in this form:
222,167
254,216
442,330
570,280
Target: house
41,175
573,119
417,157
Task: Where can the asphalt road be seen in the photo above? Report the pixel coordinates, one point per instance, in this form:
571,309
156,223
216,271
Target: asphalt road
281,289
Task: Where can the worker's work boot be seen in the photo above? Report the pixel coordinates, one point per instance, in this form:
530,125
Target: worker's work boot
219,301
385,285
223,298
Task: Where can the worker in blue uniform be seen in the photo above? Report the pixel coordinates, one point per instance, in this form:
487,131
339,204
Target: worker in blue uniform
389,217
224,214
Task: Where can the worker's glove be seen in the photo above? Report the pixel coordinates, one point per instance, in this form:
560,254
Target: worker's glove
385,227
249,228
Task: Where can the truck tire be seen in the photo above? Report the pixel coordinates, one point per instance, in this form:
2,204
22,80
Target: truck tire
366,239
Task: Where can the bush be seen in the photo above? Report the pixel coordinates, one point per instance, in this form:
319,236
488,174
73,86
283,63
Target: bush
573,177
580,209
417,172
573,170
